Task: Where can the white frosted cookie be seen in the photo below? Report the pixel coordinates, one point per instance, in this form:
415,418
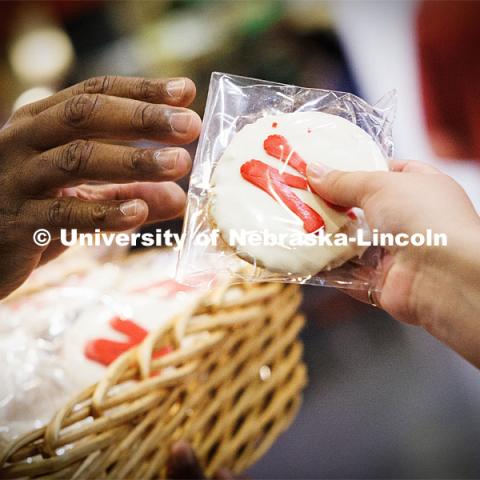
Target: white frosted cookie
105,329
100,335
259,185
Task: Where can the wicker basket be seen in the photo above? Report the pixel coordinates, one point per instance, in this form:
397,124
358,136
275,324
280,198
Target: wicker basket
230,393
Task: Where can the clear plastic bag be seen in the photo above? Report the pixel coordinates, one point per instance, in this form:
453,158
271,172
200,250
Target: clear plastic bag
238,182
36,379
44,336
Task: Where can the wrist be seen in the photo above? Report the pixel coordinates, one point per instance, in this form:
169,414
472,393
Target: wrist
448,293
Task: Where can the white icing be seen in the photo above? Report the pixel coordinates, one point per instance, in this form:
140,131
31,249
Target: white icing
237,204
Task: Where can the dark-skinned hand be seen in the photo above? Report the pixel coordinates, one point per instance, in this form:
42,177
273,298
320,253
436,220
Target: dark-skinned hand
183,464
52,151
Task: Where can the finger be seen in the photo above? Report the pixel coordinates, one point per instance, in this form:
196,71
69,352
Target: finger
54,249
102,116
413,166
165,201
84,216
171,91
183,463
347,189
224,474
375,282
82,161
363,296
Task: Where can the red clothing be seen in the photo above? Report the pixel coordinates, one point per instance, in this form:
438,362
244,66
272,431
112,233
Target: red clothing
449,56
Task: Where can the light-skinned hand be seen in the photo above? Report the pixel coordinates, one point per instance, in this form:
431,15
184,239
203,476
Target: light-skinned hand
437,288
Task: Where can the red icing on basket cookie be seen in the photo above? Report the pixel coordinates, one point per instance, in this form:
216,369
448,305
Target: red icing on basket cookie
277,146
104,351
129,328
271,181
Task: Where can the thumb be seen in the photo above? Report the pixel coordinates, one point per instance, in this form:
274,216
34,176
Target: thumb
347,189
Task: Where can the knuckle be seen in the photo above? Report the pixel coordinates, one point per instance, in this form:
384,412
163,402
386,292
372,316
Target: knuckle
145,90
138,161
60,212
79,109
145,117
333,180
28,110
13,133
74,157
97,214
21,113
102,84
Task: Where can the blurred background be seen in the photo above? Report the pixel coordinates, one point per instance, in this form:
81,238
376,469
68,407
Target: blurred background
384,400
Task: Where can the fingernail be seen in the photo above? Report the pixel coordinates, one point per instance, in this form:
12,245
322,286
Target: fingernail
180,122
175,88
315,170
129,209
166,159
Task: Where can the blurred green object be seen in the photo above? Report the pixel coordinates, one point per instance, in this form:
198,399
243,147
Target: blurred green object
270,39
256,17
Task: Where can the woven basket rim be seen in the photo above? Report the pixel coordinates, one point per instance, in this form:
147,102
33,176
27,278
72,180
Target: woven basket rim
229,306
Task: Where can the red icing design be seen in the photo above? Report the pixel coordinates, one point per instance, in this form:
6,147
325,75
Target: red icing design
278,147
274,125
271,181
256,168
104,351
129,328
277,184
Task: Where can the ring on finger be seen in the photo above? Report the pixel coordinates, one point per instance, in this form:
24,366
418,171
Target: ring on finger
371,297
